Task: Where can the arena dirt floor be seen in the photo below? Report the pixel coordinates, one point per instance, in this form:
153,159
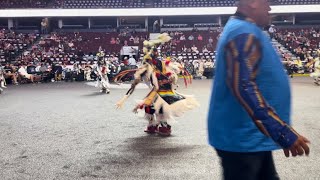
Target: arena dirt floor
71,131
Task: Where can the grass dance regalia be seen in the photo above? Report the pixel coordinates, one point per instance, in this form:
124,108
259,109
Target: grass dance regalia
162,103
2,79
316,74
101,70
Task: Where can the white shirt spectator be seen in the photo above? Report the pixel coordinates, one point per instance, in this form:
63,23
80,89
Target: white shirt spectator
182,38
23,71
205,50
194,49
136,40
272,30
132,61
38,68
26,53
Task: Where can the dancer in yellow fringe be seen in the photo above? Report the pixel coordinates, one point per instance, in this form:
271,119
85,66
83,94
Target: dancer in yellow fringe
162,102
316,74
2,79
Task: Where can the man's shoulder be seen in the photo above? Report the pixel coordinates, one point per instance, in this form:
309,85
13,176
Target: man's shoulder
236,26
239,31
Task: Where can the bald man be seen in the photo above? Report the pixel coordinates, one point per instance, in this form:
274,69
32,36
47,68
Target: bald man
249,113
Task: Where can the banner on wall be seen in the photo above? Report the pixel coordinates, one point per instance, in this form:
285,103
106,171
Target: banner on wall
154,35
129,50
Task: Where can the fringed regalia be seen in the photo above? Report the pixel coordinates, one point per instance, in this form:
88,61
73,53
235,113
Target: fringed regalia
316,74
162,103
102,70
2,79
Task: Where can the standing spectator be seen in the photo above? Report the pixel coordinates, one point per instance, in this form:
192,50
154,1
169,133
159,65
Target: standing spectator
156,26
272,31
44,26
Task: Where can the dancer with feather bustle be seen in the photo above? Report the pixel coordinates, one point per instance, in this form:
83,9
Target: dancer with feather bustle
162,103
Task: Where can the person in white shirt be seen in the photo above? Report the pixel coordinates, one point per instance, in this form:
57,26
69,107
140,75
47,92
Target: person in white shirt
2,79
132,61
272,31
38,67
23,72
194,49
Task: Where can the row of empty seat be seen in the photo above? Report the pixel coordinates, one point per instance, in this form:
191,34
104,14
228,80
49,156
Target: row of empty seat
87,4
195,3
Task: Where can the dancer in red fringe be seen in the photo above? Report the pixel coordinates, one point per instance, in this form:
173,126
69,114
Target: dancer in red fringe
162,103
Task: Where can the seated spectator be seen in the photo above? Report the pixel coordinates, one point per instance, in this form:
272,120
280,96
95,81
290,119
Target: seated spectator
23,72
190,38
132,61
113,41
9,73
205,50
114,59
118,41
182,38
125,43
184,48
136,40
194,49
70,44
49,54
125,61
208,64
210,40
38,68
31,69
298,62
200,38
174,43
131,38
142,38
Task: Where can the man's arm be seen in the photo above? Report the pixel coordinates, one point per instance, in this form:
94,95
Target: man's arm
243,55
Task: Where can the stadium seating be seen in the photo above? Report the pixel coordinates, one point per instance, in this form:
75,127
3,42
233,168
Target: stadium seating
192,3
13,44
87,4
295,37
6,4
